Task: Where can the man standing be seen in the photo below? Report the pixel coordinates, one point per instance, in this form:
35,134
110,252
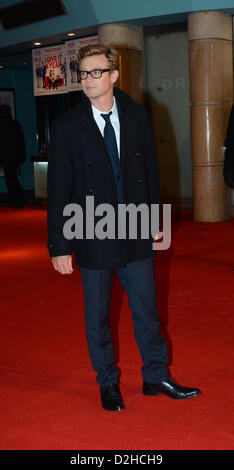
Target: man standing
11,155
228,167
104,147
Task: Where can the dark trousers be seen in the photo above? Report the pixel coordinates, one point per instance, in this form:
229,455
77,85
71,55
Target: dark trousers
15,191
138,280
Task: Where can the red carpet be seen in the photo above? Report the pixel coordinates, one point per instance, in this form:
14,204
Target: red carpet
49,398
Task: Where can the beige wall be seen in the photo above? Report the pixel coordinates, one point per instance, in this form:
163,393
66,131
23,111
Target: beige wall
167,86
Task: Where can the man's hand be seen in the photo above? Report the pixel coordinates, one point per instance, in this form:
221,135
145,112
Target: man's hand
63,264
157,237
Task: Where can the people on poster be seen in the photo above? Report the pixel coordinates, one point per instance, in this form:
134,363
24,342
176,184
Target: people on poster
64,72
73,68
38,75
43,72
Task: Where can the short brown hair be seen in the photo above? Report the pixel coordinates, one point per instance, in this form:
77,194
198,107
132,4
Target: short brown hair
97,49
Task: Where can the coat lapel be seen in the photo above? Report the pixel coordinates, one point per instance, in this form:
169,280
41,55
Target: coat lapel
90,124
122,134
127,127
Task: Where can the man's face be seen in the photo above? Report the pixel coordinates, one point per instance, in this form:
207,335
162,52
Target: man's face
95,88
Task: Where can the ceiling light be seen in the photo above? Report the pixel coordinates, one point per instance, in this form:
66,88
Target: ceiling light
71,34
1,66
37,43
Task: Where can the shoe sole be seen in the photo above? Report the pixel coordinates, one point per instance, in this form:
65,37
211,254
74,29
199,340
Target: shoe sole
167,395
116,409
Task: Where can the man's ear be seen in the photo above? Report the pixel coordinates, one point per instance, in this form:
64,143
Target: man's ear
114,76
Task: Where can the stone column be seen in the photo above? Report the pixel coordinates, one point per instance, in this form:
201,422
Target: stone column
129,42
211,95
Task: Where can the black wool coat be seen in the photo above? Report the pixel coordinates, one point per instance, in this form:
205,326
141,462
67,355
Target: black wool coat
12,143
79,166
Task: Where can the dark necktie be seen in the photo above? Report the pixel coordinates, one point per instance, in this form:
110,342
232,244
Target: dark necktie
110,139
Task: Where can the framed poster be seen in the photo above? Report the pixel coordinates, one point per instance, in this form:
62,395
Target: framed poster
55,67
49,70
7,96
72,48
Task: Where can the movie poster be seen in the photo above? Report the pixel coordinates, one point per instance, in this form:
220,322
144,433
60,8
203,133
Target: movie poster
50,70
55,68
72,63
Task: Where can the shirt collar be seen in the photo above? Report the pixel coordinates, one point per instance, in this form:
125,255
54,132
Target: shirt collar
97,112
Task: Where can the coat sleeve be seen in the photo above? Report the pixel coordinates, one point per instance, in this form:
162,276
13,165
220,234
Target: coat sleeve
228,168
151,162
59,190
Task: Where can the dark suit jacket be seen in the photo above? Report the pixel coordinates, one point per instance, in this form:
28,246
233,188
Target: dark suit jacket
79,166
228,169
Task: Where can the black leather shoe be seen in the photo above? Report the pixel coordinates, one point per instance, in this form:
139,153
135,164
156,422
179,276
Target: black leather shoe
111,398
170,388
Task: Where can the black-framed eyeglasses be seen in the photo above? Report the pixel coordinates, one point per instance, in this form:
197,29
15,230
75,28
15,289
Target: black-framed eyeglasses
95,73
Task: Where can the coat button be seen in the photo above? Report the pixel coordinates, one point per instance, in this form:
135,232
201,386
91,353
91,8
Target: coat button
139,180
91,190
137,154
90,162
